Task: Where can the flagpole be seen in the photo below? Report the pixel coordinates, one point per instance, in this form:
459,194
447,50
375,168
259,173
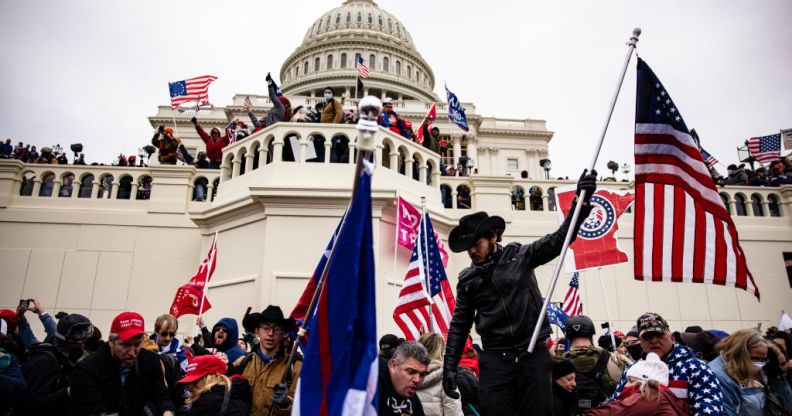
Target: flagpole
367,126
607,308
630,48
206,282
425,258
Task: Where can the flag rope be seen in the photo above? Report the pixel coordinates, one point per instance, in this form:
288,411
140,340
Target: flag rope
540,320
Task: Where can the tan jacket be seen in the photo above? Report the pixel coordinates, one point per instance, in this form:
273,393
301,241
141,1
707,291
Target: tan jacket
332,112
263,377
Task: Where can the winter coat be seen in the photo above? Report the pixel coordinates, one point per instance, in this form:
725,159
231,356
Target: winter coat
400,128
585,359
430,142
390,402
48,374
12,383
96,385
167,148
214,148
263,377
332,112
502,296
210,403
29,338
433,398
564,402
634,404
468,385
230,346
737,400
690,379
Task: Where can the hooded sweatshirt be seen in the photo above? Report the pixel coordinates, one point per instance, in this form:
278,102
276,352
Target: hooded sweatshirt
230,346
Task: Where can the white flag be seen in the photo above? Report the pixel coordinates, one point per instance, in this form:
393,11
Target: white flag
785,322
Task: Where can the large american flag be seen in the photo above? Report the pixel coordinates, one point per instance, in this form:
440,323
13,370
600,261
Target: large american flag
193,89
418,312
682,232
362,67
572,305
708,158
766,148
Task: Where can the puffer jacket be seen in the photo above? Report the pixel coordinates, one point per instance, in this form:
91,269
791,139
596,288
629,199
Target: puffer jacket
502,297
633,404
434,400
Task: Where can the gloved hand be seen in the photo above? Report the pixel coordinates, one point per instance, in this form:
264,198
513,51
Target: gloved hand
161,129
194,120
450,383
280,395
587,183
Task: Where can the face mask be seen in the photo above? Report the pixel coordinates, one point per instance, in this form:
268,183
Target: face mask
328,97
635,351
758,365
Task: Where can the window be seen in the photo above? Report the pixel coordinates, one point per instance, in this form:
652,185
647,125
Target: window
372,62
380,20
518,198
338,20
86,184
349,18
343,60
756,205
725,198
739,205
370,19
772,206
385,64
329,61
305,68
357,57
417,76
398,67
316,65
47,185
360,18
511,164
409,72
390,25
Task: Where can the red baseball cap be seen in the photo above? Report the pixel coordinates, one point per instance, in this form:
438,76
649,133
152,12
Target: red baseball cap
201,366
127,325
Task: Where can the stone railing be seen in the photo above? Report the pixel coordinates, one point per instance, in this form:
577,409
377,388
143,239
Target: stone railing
332,143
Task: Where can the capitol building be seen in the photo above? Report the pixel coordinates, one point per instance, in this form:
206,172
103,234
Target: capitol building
99,240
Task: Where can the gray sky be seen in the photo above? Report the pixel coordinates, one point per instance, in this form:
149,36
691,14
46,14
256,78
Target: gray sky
92,71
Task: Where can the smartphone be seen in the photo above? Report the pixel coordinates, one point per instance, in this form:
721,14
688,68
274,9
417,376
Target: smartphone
24,304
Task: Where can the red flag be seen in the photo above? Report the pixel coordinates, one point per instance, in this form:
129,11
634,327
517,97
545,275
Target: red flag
188,297
595,245
407,222
428,120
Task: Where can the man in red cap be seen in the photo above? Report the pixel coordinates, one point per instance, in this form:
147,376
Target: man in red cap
121,377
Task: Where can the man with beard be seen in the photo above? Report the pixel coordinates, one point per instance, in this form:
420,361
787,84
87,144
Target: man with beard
401,377
224,336
48,367
121,378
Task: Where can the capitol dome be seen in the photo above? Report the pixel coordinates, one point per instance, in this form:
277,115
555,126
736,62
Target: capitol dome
329,49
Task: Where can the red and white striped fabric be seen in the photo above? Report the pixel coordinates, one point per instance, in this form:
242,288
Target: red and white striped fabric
417,312
362,67
193,89
572,305
683,232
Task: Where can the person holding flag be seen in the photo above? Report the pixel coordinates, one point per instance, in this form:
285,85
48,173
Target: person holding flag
166,143
500,292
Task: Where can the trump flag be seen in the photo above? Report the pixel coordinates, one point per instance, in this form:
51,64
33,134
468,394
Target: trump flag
408,220
595,245
188,297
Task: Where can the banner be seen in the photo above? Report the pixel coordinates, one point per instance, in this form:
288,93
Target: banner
188,297
408,220
595,245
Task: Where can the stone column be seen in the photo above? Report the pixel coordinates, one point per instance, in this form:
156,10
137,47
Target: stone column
237,167
352,147
472,151
113,190
36,187
453,199
380,148
262,155
94,189
545,207
277,149
422,174
394,160
436,178
408,164
76,186
457,138
249,158
225,173
209,188
493,151
56,187
785,202
133,195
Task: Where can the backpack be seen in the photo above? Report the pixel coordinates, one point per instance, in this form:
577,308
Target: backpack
589,388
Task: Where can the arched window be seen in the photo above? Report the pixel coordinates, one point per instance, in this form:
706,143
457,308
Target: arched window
329,61
380,20
772,206
360,18
463,197
385,64
317,62
756,205
124,188
551,205
409,71
390,25
725,198
370,19
144,188
417,76
343,61
518,198
338,20
296,70
327,22
305,68
215,185
398,30
398,67
372,62
445,195
349,18
200,187
47,185
67,187
27,186
86,185
535,198
105,186
739,205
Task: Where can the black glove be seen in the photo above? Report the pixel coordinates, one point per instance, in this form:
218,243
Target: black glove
450,383
587,183
161,129
194,120
280,395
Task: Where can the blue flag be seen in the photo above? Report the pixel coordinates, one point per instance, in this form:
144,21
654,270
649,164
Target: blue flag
340,369
274,85
455,111
557,317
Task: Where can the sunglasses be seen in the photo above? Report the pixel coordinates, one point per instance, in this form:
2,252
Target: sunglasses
166,334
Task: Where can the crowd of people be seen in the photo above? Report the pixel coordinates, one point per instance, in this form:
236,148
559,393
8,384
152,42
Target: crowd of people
776,174
46,155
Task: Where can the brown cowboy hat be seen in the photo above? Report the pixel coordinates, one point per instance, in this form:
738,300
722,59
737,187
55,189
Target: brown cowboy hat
471,227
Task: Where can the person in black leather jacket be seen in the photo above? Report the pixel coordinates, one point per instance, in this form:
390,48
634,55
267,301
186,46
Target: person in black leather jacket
500,294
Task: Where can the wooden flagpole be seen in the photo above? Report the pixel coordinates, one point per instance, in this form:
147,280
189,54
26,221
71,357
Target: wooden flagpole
630,48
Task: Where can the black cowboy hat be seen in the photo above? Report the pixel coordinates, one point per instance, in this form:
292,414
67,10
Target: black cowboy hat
471,227
272,314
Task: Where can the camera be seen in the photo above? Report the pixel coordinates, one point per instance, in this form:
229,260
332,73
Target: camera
24,304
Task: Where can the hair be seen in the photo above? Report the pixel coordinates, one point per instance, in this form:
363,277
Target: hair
206,383
735,351
774,353
331,90
168,319
649,388
492,232
411,349
112,337
435,345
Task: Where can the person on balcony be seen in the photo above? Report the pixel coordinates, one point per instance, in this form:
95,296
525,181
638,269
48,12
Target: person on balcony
167,145
280,111
215,143
332,111
392,121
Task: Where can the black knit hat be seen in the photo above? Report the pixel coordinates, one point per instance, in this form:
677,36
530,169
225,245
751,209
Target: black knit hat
562,368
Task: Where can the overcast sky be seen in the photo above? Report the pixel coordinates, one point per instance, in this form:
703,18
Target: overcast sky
93,71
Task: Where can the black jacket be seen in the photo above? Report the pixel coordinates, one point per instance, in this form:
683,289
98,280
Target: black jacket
210,403
96,385
48,372
468,385
502,296
390,402
564,402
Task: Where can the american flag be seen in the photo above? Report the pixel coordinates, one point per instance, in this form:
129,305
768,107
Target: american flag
247,105
766,148
417,312
708,158
193,89
572,305
362,67
682,232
